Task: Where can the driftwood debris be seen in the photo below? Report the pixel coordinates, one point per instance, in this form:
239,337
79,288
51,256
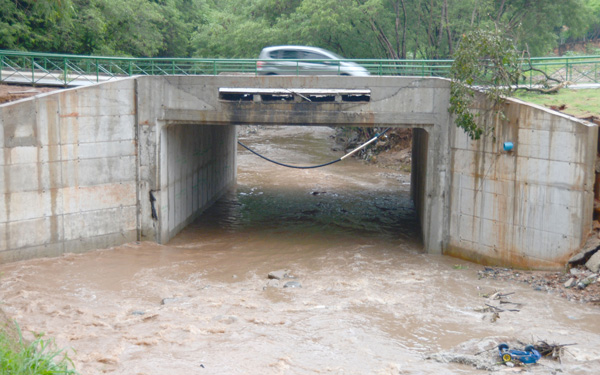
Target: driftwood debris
551,351
493,310
496,308
551,90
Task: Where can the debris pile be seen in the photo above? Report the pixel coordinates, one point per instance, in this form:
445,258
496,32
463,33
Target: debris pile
496,353
578,284
551,351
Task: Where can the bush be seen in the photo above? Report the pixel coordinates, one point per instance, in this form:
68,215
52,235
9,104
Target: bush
40,357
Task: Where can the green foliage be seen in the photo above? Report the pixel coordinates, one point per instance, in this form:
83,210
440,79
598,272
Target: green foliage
484,58
428,29
25,24
37,358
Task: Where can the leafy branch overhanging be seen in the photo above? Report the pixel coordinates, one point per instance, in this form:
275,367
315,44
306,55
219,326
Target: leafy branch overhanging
487,61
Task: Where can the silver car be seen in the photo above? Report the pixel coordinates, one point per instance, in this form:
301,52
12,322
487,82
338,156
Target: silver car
301,60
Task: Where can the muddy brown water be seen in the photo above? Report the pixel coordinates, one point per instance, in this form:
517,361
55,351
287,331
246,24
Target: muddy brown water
370,301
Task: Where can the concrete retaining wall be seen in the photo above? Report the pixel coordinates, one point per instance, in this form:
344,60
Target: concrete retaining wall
418,175
96,166
532,206
185,165
197,165
141,158
393,101
68,171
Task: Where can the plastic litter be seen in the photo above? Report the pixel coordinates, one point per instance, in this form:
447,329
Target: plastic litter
527,355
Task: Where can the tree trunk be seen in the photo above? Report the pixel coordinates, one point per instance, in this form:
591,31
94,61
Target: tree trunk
441,31
380,35
403,30
448,31
397,27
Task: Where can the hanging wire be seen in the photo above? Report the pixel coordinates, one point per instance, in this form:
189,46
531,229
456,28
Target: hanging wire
377,136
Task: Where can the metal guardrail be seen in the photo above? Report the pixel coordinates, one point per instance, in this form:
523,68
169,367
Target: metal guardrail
76,70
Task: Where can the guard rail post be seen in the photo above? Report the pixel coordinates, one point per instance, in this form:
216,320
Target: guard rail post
32,70
65,66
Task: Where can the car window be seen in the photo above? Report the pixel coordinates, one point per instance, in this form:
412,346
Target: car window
314,56
290,55
274,54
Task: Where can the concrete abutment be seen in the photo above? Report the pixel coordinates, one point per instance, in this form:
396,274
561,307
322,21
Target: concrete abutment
141,158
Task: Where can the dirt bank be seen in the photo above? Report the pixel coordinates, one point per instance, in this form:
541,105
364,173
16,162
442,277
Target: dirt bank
9,93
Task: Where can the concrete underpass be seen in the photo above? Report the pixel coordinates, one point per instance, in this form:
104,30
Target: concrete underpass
141,158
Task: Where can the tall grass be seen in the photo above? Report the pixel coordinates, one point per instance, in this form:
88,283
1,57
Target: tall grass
40,357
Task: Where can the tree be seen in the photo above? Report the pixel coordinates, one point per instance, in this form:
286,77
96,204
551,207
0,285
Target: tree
419,29
537,24
484,58
25,24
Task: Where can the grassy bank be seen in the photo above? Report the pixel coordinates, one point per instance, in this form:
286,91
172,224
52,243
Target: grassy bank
39,357
578,103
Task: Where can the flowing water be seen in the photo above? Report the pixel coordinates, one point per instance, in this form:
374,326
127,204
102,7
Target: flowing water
363,298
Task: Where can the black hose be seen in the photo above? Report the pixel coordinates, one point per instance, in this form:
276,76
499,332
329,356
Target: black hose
312,166
286,165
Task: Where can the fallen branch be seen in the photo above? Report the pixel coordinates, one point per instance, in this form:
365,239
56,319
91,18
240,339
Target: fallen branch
531,68
495,347
553,351
512,303
551,90
501,310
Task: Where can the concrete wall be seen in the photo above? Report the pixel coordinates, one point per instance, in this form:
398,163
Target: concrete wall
197,165
141,158
68,171
418,174
185,164
97,166
394,101
531,207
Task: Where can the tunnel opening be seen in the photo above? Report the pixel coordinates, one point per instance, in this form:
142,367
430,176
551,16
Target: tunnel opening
295,105
354,198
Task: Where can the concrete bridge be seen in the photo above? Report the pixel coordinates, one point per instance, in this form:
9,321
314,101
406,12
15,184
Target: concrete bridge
141,158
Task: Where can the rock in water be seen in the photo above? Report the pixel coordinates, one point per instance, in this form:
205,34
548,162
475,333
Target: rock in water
279,274
292,284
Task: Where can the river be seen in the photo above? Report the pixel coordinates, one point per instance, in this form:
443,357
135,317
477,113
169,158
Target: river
361,296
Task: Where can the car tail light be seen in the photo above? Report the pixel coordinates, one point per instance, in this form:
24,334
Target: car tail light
260,64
